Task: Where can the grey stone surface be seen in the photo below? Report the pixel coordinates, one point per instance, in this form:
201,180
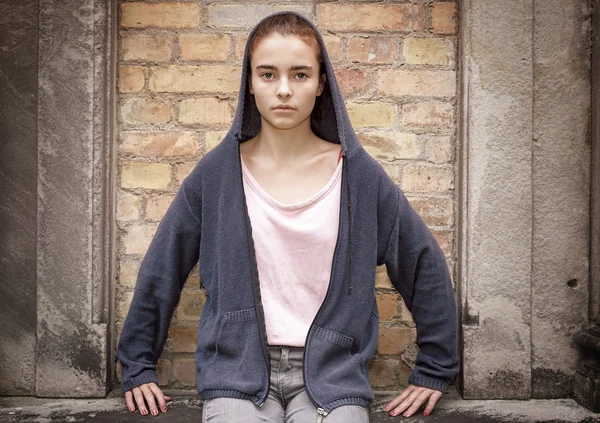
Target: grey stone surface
18,195
496,197
187,408
74,199
561,192
595,173
524,195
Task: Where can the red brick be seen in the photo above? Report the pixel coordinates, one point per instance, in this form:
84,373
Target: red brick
185,370
370,17
393,340
387,305
158,143
428,115
204,46
383,372
155,48
443,18
425,178
184,338
393,82
131,79
371,49
353,82
162,15
434,211
163,371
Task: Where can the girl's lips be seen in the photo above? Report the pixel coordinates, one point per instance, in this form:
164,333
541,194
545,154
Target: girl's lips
279,109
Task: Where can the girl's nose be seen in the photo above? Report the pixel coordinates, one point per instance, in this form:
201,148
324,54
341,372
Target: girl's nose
284,89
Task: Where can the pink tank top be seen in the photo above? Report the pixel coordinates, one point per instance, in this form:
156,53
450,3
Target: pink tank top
294,246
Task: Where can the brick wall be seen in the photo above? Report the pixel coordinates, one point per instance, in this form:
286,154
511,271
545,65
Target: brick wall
179,73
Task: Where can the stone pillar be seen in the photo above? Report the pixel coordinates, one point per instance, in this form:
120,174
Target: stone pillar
496,197
561,192
595,141
524,195
586,385
75,198
18,195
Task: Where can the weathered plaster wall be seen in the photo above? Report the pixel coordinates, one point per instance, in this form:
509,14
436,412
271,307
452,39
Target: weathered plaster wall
18,195
561,191
497,195
56,204
524,194
74,199
595,173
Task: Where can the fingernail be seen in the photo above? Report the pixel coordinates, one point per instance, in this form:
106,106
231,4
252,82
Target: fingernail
164,409
405,414
385,408
131,409
155,412
426,413
144,412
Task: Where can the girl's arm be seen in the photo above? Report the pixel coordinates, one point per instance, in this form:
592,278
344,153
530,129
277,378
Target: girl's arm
418,270
173,252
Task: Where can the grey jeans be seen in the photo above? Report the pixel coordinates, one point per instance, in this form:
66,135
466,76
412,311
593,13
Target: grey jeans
287,401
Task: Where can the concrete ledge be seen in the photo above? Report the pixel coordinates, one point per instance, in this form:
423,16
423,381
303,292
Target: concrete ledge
186,407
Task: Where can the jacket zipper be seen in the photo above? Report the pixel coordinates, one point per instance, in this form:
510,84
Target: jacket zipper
322,413
320,410
266,353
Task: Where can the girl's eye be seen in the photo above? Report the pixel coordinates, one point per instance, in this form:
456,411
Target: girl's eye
269,75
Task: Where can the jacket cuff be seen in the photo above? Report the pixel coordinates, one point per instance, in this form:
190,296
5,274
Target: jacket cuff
145,377
428,382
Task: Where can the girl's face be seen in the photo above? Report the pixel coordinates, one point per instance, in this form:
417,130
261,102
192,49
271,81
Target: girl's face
285,71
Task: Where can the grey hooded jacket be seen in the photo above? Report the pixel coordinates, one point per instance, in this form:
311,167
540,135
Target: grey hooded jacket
208,222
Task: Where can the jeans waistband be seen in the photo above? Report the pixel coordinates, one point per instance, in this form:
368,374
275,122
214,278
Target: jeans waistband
287,352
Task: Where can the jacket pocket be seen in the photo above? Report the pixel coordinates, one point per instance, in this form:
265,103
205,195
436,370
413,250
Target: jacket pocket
237,362
236,326
340,372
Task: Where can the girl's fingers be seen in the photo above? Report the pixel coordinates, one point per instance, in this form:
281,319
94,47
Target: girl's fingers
129,401
407,402
149,395
416,404
433,399
162,402
139,400
393,403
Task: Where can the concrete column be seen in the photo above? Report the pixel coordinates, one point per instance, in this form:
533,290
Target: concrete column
75,198
595,174
18,195
561,192
496,197
523,195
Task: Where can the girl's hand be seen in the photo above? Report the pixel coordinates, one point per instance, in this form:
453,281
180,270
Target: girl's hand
412,398
146,391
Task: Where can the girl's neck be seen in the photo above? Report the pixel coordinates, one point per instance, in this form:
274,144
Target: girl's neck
285,146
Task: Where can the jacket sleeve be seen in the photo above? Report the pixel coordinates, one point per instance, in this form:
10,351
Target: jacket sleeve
418,270
171,255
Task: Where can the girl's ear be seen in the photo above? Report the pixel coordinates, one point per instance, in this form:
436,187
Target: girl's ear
321,85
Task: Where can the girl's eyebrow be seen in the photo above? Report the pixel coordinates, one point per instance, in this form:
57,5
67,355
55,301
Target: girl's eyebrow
293,68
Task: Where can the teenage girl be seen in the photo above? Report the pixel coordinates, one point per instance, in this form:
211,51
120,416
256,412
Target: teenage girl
295,147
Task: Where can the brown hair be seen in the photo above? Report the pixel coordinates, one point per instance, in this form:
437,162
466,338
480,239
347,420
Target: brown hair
288,24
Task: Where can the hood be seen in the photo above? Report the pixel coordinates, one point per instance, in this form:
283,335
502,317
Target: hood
333,125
